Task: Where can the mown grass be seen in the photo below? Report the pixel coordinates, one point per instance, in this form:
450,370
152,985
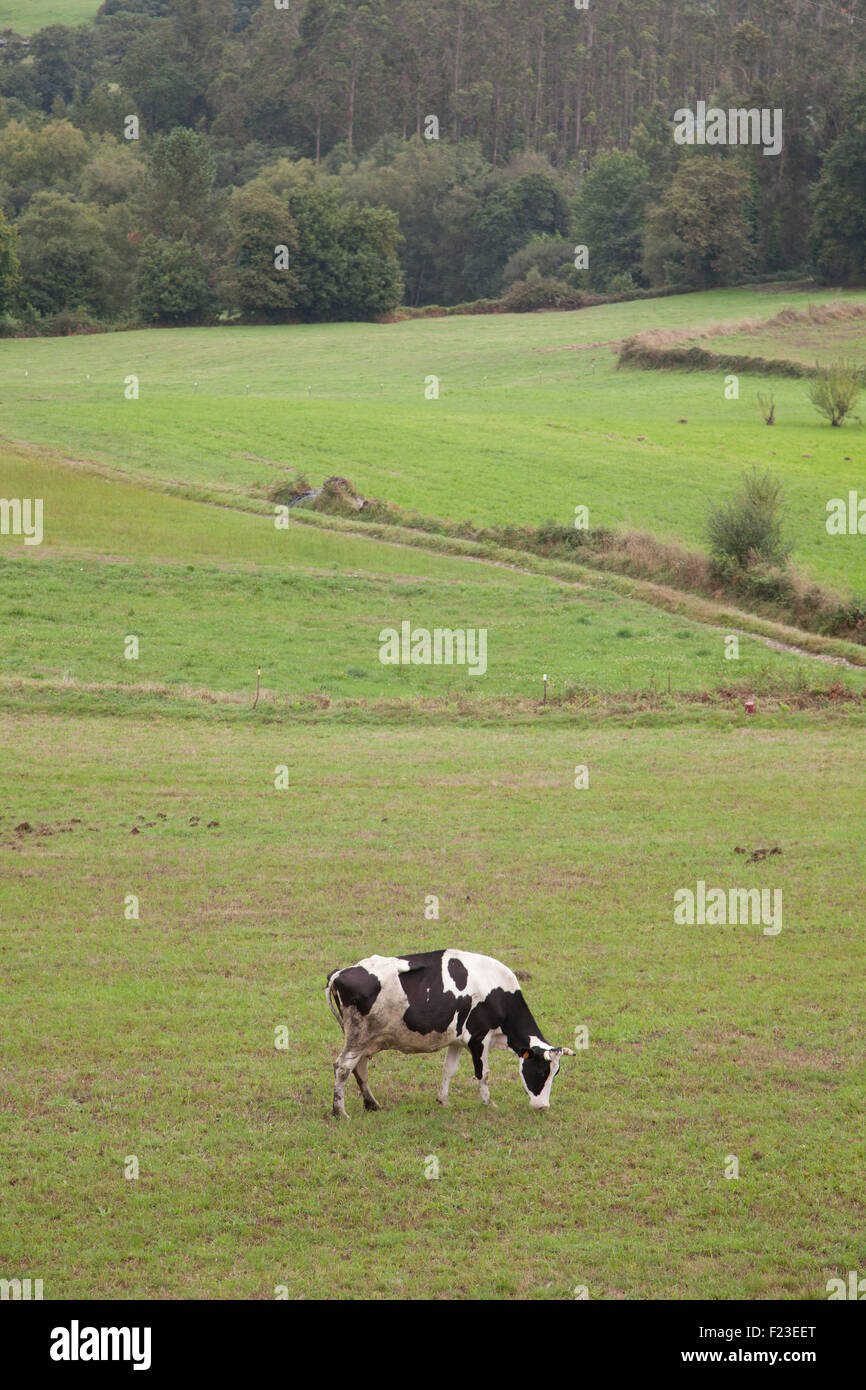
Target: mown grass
805,342
26,16
155,1037
532,420
210,594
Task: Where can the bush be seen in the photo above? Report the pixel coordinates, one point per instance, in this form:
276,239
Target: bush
621,284
747,529
338,496
251,280
550,256
284,493
538,293
835,390
767,407
848,620
71,321
172,282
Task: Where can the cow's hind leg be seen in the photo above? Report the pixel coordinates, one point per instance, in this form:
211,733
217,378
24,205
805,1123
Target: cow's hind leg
370,1101
452,1058
343,1067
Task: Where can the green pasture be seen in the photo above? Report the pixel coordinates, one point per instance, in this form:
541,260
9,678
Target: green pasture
533,418
154,1037
165,909
210,593
26,16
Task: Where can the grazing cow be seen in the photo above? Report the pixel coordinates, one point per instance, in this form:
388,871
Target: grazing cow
422,1003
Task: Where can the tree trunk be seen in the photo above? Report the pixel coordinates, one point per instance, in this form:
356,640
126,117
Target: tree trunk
458,53
539,81
351,130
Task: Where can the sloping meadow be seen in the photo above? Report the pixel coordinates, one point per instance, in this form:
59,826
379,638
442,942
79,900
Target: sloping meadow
499,419
137,590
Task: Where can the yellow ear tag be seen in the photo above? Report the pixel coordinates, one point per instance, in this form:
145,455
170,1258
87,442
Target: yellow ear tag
526,1054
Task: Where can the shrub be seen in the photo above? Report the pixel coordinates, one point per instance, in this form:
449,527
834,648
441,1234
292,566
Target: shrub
767,407
624,283
834,391
550,256
538,293
285,492
338,496
69,321
172,282
747,529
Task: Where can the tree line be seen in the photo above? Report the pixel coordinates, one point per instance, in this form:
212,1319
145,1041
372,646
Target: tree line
334,158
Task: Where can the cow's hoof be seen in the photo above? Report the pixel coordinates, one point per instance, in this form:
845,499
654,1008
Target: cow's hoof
372,1105
339,1114
443,1100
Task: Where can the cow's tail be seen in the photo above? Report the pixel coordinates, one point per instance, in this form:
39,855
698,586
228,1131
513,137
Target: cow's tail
334,998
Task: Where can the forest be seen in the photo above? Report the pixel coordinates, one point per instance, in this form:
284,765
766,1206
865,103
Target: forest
186,161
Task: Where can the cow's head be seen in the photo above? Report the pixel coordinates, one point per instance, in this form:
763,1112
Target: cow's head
538,1066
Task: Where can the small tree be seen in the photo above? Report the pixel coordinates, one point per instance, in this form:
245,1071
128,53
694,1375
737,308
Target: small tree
837,235
767,407
346,262
610,217
67,259
699,231
176,198
551,256
257,278
835,390
10,271
172,282
748,528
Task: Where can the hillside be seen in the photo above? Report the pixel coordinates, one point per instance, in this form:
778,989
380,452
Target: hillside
533,418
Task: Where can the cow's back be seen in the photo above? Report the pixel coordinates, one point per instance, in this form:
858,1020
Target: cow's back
420,1002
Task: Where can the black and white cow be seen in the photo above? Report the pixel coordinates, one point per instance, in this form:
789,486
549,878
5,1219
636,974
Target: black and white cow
422,1003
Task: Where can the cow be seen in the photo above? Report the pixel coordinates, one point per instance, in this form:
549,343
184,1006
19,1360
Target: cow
422,1003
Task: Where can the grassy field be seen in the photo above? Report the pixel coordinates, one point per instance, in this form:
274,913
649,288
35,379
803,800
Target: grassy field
153,1035
25,16
156,1037
795,341
210,593
533,418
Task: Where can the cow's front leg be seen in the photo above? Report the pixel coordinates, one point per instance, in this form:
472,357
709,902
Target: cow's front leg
370,1101
479,1047
452,1058
343,1067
